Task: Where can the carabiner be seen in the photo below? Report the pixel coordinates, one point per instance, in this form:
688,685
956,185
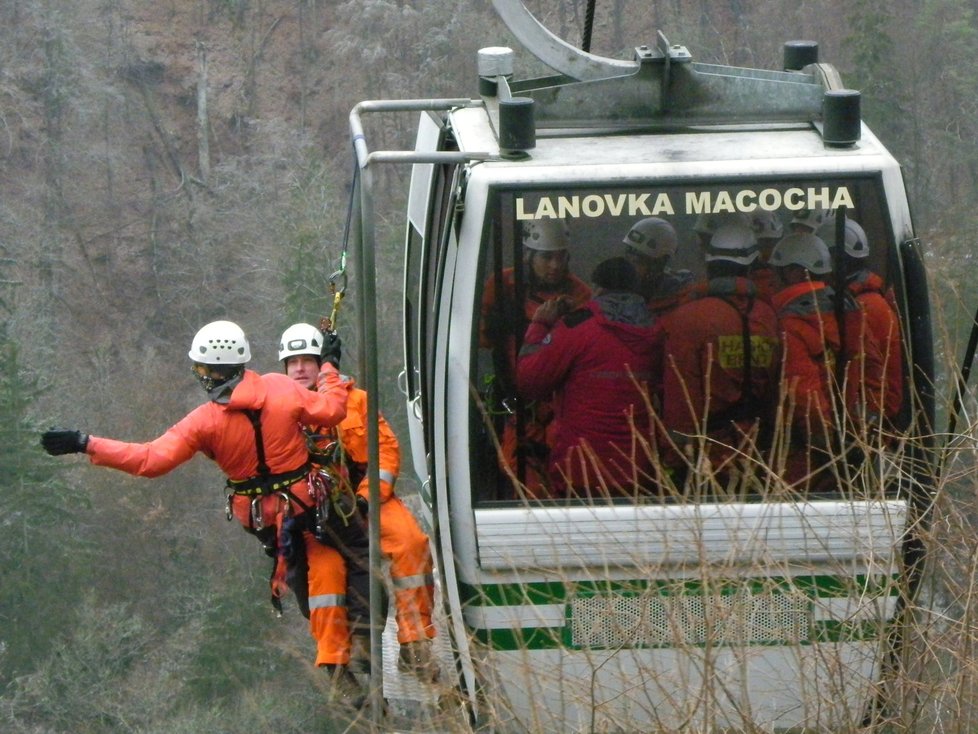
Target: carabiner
340,273
257,517
288,503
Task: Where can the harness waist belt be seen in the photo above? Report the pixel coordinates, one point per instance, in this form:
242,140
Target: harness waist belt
257,485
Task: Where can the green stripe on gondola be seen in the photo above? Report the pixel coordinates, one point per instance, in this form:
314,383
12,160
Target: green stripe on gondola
536,638
531,594
567,593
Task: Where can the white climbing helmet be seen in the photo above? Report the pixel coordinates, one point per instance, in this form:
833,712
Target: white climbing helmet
220,342
804,249
734,243
653,237
299,339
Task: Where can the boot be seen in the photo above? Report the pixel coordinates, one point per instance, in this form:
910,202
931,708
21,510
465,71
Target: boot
359,654
416,657
343,688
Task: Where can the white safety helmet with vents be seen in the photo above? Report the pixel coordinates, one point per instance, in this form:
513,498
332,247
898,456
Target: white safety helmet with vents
220,343
811,219
857,245
546,235
733,243
804,249
304,339
653,237
767,225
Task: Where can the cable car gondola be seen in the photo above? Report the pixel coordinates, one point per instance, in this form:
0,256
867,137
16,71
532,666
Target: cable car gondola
772,607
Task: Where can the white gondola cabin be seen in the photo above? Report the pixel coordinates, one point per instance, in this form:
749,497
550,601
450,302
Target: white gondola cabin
688,608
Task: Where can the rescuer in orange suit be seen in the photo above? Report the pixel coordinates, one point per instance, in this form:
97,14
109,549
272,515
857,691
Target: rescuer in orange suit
251,427
812,344
877,303
722,359
344,448
546,276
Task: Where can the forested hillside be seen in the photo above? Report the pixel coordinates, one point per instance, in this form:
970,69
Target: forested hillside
164,164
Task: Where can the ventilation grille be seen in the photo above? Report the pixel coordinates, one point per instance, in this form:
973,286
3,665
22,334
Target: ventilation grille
742,617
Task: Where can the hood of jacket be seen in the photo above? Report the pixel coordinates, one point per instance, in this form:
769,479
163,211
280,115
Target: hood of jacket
625,314
804,299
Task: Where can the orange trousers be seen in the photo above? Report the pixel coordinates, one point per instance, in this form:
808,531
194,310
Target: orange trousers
326,576
406,546
327,602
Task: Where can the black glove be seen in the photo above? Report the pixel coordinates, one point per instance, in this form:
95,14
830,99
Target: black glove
363,506
332,349
58,441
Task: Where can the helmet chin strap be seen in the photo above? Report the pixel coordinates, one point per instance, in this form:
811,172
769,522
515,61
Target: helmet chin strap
219,390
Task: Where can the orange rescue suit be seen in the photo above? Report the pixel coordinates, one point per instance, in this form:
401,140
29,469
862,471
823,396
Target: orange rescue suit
812,343
225,434
401,539
703,382
881,318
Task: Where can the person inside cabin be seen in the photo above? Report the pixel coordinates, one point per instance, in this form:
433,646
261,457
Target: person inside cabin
597,361
879,307
510,299
819,356
650,244
720,367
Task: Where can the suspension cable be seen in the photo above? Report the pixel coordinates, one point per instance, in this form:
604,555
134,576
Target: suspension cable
588,26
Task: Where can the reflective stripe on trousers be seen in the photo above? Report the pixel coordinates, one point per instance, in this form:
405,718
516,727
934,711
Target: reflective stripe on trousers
327,603
414,582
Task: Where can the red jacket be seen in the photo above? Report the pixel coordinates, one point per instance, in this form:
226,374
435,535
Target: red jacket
225,434
704,347
881,317
598,362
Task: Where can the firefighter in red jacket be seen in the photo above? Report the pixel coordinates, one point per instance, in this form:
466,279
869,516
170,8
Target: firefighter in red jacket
880,311
508,306
598,362
721,361
342,449
250,427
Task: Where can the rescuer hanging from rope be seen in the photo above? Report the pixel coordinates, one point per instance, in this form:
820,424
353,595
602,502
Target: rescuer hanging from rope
340,452
251,427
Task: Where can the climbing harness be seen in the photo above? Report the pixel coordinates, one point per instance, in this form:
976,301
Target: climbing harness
329,486
259,488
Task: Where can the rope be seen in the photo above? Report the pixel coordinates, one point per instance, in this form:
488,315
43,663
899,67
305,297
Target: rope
588,26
